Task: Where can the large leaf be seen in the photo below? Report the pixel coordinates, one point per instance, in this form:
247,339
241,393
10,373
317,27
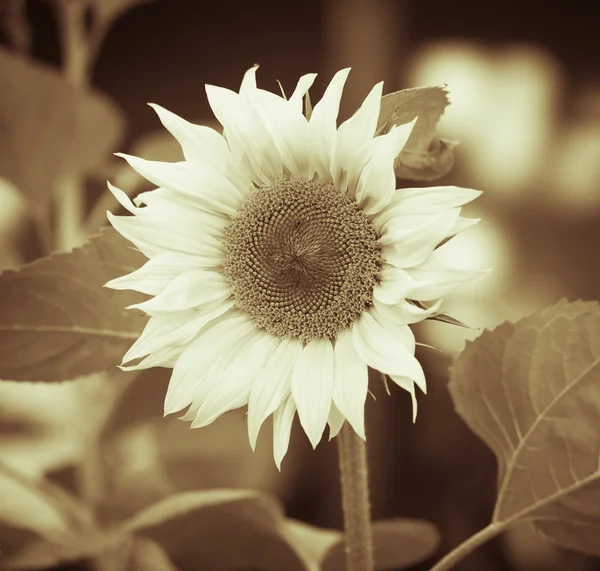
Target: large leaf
425,156
57,322
48,128
219,530
531,391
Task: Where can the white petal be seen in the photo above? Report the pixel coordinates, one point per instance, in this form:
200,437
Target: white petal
161,209
163,357
231,390
249,81
461,225
408,385
160,198
351,382
155,274
212,346
322,125
272,387
312,387
172,329
335,421
246,133
384,349
154,238
432,200
405,338
403,312
288,128
394,285
207,186
282,427
353,136
377,182
406,248
122,198
199,143
195,289
438,278
304,84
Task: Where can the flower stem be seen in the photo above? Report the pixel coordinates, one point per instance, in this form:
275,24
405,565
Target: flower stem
354,477
468,547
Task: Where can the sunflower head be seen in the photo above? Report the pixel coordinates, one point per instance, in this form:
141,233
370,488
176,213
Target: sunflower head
283,262
302,259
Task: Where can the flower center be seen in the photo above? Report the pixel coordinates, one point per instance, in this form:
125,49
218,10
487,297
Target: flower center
302,259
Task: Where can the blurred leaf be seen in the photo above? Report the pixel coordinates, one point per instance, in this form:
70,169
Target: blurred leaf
31,509
424,157
397,543
531,391
85,545
312,543
48,129
14,25
219,530
57,322
147,555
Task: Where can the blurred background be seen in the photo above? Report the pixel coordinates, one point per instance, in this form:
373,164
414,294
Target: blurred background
524,84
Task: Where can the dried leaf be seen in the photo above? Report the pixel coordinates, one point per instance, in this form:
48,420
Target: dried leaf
48,129
531,391
58,322
425,157
307,106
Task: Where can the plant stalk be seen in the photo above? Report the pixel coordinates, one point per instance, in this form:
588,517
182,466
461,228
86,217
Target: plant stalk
356,506
464,549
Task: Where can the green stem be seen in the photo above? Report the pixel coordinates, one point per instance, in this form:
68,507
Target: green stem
354,477
464,549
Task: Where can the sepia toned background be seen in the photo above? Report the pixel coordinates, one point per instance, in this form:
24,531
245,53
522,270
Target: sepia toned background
524,84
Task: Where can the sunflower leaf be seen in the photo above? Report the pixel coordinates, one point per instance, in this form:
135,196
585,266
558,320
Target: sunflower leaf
239,529
397,543
48,128
425,157
531,391
57,322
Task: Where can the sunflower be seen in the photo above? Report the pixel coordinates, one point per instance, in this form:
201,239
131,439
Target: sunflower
282,261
